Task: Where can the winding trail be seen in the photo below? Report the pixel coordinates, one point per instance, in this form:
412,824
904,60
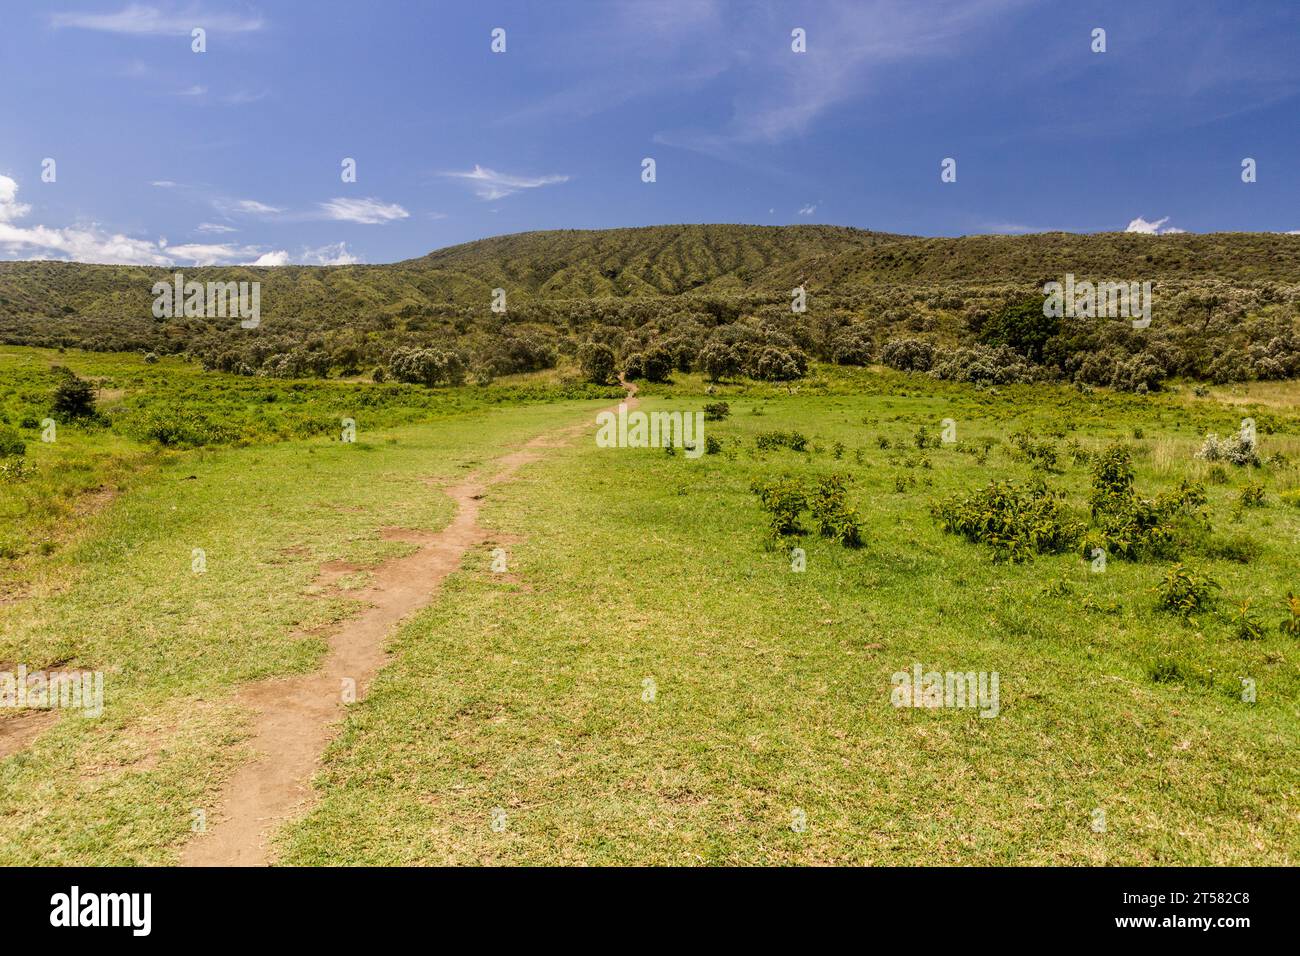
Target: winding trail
297,717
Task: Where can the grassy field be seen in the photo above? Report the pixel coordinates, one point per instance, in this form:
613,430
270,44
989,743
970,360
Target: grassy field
651,681
527,697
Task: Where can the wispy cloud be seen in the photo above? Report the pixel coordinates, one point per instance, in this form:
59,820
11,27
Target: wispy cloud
142,20
488,184
368,211
241,97
214,228
808,209
246,207
780,93
211,254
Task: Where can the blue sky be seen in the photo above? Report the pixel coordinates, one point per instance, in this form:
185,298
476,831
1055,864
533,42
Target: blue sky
172,157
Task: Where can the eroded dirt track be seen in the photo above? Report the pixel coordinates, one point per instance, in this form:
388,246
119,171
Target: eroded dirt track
296,717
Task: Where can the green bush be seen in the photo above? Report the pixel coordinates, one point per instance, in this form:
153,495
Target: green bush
73,397
793,440
597,362
179,428
1252,495
834,516
1017,521
783,499
11,443
716,411
1185,591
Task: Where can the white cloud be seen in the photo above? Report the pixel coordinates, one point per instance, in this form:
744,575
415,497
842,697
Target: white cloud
80,243
277,258
369,211
335,255
214,228
163,184
141,20
808,210
10,207
1140,225
192,91
489,184
200,254
255,208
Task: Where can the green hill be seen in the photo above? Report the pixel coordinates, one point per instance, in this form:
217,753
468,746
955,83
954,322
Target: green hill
633,288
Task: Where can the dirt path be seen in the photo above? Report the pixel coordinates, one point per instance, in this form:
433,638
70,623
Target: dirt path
296,717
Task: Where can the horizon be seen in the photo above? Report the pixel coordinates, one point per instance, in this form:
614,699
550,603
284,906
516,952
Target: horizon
140,150
670,225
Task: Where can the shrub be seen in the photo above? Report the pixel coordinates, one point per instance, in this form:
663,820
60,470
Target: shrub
779,365
1252,495
597,362
1245,623
1022,327
657,364
1039,452
73,397
718,360
428,367
634,366
14,470
716,411
1184,591
980,364
783,499
11,443
852,346
834,516
179,428
1112,478
908,355
1290,624
795,441
1239,449
1017,521
711,445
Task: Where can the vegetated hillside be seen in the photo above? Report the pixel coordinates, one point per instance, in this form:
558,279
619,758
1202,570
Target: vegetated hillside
1225,306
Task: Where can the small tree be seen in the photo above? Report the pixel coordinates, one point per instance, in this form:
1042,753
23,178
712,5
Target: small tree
73,397
719,360
597,362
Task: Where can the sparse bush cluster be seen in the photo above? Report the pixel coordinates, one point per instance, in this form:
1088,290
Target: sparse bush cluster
784,499
1018,521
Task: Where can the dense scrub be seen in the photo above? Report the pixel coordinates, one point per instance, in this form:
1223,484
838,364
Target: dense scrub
717,300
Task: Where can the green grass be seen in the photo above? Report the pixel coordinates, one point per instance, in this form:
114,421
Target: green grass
773,687
122,598
524,692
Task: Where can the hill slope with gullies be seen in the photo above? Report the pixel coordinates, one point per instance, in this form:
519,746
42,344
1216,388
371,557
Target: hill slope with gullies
1224,305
